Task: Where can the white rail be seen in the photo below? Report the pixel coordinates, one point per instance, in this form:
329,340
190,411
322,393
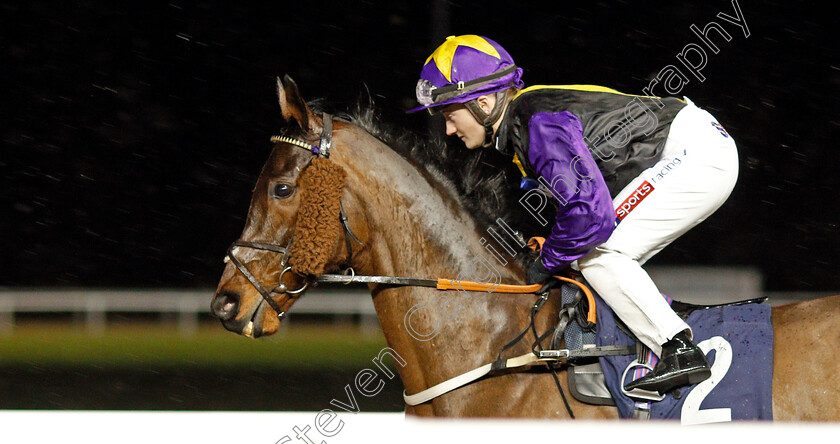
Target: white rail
188,305
688,284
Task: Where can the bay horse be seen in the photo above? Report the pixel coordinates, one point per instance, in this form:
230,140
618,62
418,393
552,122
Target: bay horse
407,220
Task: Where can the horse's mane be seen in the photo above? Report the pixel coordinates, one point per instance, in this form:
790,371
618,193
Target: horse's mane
484,181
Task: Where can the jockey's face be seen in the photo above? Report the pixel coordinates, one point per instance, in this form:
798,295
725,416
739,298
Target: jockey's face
460,122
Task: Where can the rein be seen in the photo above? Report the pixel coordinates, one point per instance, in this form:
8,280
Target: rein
323,150
449,284
537,353
439,284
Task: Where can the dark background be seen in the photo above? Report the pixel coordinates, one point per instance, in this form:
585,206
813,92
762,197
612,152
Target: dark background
132,134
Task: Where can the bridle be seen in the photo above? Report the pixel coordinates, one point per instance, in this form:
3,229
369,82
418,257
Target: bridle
348,275
323,150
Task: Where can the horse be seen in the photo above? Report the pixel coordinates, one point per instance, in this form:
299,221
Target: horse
389,216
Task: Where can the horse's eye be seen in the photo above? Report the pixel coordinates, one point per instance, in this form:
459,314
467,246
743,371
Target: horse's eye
282,191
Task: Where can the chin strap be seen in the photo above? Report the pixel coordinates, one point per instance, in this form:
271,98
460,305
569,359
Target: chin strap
488,119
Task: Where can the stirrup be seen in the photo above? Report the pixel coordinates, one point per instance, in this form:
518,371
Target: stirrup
639,393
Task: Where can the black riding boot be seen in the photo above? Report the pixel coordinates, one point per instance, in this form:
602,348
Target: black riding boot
682,363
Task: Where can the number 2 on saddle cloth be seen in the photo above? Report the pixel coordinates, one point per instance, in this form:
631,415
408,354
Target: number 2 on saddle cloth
737,340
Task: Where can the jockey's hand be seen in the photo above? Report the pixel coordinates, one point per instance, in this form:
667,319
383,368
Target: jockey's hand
537,273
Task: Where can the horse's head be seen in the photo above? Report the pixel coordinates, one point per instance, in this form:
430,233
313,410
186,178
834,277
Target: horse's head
294,230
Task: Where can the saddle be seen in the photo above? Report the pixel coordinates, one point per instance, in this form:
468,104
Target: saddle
587,380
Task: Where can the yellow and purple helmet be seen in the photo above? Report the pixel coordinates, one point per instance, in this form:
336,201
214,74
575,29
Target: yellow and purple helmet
464,68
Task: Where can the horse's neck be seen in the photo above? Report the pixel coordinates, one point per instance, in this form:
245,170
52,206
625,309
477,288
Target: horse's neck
420,230
420,222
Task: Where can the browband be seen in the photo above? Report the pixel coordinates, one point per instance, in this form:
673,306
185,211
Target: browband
326,139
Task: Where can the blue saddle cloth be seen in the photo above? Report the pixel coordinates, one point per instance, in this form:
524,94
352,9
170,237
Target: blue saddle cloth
739,341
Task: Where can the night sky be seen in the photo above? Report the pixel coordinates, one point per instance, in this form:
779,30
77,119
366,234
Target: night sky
133,135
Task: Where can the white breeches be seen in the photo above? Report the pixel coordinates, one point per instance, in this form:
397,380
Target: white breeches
696,174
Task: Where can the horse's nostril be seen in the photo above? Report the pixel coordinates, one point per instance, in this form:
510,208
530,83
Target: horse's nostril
225,305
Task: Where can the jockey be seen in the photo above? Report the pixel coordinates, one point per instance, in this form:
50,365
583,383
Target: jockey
630,174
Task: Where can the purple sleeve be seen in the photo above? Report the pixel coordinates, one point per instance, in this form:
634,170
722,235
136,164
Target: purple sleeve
585,217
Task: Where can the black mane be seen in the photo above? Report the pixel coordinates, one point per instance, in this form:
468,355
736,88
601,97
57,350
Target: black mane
486,182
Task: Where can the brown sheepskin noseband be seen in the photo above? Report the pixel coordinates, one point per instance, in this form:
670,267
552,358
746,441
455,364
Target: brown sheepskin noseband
318,226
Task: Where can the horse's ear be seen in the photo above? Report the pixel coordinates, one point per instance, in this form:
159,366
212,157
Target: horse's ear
292,104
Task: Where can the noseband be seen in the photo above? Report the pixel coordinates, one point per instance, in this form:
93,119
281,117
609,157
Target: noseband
323,150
